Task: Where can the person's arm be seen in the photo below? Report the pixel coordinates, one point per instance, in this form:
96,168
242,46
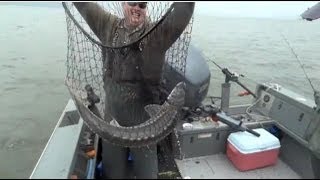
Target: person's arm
99,20
175,23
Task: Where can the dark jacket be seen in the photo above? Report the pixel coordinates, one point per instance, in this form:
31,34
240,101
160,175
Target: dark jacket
140,64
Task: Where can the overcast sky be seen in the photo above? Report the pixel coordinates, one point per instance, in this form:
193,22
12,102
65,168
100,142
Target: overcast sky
265,9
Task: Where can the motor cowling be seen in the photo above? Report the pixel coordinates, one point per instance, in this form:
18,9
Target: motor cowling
197,77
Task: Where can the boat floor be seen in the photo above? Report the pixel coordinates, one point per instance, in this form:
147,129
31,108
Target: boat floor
219,166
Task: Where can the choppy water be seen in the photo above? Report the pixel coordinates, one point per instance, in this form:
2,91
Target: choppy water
33,51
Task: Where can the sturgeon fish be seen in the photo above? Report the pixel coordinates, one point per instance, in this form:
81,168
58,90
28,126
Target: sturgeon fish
158,126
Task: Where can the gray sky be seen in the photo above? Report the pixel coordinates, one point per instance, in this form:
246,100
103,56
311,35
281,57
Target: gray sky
264,9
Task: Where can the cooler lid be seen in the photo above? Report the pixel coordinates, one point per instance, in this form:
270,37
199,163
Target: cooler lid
247,143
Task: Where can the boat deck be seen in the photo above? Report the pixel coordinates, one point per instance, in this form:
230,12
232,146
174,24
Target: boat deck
219,166
198,162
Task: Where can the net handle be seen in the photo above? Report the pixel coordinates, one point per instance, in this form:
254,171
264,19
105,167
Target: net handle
116,47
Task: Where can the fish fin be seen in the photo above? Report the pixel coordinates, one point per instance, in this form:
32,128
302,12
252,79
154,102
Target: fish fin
114,122
152,109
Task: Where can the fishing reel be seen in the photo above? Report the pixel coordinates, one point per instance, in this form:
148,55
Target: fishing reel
231,76
235,78
92,98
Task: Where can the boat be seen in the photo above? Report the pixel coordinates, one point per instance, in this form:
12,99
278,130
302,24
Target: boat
199,147
201,151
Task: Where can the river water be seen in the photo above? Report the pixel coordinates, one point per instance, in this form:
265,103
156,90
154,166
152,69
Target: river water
33,43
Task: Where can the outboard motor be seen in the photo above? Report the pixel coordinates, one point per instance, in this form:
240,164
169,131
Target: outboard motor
197,77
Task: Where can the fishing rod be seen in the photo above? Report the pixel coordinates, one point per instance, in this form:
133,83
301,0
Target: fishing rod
232,77
297,58
218,114
316,93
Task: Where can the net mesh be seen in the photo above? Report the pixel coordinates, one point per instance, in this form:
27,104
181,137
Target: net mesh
85,60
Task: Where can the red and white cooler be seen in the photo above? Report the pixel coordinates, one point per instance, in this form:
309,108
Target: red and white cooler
248,152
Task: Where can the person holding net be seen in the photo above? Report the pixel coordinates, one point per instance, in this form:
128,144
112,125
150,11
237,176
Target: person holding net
132,72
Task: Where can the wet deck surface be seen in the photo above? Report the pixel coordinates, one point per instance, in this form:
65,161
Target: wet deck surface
219,166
